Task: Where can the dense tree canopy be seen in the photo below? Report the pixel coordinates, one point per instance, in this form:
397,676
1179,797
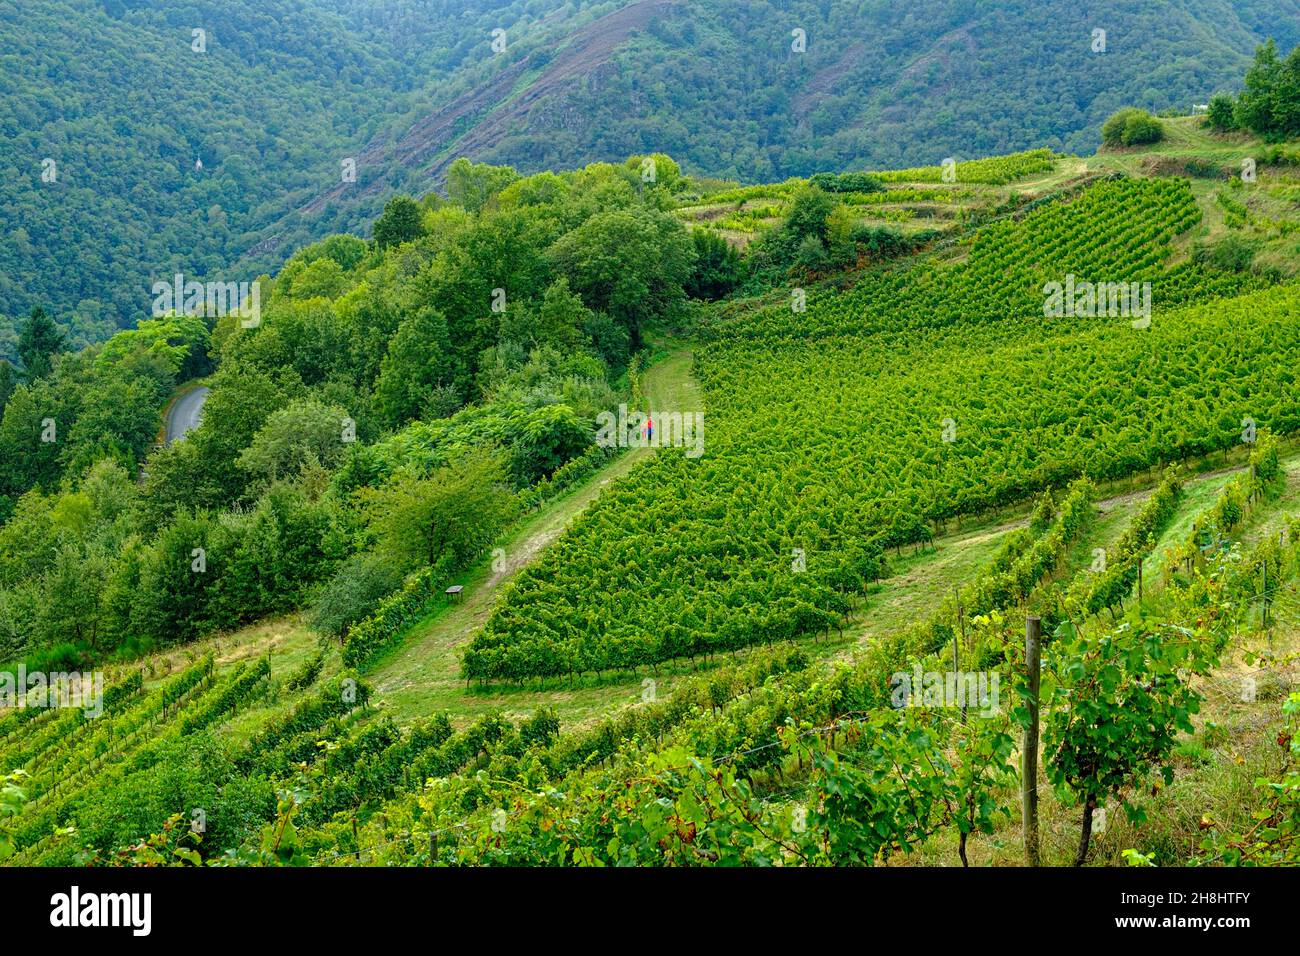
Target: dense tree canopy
327,111
1269,105
394,394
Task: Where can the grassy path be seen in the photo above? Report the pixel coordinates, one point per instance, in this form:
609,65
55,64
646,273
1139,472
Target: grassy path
920,581
423,675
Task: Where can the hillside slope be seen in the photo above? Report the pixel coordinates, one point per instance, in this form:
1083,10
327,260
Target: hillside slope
108,108
286,91
889,478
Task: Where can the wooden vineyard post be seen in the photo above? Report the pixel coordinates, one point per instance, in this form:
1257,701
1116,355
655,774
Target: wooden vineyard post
956,652
1029,752
1263,594
1139,579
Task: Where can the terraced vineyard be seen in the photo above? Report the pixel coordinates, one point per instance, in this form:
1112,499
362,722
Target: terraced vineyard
154,755
1112,230
818,764
834,439
994,171
687,666
907,199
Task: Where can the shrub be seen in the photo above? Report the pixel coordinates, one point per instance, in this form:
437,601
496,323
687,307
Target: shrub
847,182
1278,156
1229,254
1221,115
353,593
1131,127
718,268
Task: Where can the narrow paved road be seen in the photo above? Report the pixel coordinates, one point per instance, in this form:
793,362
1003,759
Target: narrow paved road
186,413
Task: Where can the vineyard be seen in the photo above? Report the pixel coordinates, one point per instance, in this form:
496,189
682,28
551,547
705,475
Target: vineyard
995,171
677,673
773,758
811,765
838,448
119,775
834,441
1116,229
907,198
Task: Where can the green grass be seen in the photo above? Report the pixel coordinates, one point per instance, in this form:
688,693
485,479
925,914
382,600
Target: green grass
422,676
1185,137
919,581
287,641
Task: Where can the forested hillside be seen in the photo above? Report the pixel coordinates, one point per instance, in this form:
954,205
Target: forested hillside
624,516
102,192
468,346
283,93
